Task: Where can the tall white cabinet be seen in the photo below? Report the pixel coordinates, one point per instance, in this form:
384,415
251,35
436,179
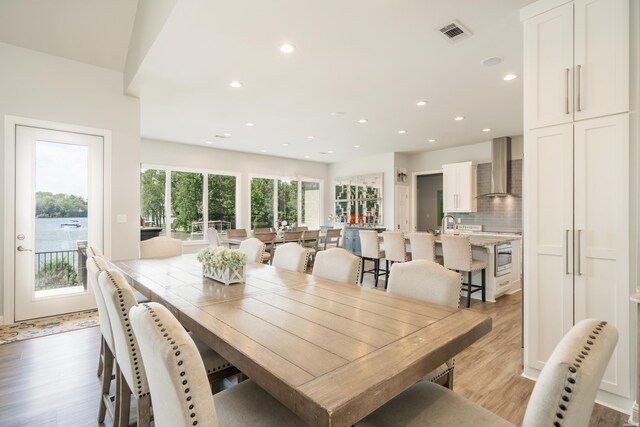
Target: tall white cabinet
576,179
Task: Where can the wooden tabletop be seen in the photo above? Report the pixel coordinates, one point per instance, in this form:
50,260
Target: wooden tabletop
331,352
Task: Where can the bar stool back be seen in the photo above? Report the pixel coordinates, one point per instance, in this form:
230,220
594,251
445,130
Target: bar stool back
370,251
458,256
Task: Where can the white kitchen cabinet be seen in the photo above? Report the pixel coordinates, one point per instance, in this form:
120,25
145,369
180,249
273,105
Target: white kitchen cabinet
577,237
459,187
576,62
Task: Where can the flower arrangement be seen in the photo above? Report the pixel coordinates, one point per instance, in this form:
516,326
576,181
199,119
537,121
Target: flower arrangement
221,258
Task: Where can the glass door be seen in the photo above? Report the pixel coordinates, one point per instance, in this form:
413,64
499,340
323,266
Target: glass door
59,212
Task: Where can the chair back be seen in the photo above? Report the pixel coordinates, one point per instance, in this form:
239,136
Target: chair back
423,246
426,281
95,266
176,374
119,298
291,256
262,230
253,249
395,248
567,386
293,236
213,237
236,232
303,228
94,251
160,247
337,264
332,238
457,252
370,244
310,238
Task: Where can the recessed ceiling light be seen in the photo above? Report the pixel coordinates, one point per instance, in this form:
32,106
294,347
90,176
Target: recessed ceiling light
356,146
491,61
209,142
421,103
310,137
402,131
457,119
510,77
235,84
263,151
249,124
330,151
306,157
338,113
227,135
285,145
486,130
432,140
363,121
287,48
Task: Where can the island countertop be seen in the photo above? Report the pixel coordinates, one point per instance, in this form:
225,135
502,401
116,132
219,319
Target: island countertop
487,240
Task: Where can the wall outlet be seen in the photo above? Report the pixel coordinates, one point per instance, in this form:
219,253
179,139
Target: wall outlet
121,218
459,220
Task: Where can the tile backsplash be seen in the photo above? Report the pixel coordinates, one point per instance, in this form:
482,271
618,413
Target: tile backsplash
502,214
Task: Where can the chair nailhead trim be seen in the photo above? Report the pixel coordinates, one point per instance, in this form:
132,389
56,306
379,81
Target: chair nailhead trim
179,362
571,379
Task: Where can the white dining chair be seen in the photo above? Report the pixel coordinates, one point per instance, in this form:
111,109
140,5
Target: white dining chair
431,282
160,247
291,256
564,394
254,249
213,237
337,264
177,379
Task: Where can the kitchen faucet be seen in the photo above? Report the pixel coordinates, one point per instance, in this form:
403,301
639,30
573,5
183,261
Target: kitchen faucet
445,221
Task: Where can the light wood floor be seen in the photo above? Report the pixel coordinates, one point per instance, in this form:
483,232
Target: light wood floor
51,381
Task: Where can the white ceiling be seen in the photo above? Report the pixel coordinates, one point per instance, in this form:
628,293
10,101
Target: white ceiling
370,59
96,32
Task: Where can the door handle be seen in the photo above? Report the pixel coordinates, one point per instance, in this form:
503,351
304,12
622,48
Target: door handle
22,249
578,85
566,100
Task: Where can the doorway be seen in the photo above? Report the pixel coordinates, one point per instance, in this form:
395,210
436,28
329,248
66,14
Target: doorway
429,208
58,214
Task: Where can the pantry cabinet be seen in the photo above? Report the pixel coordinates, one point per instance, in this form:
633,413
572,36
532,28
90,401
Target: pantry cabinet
576,60
459,187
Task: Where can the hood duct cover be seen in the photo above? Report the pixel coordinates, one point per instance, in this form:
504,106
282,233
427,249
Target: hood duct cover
500,155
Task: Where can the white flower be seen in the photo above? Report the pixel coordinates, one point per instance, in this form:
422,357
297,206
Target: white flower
221,257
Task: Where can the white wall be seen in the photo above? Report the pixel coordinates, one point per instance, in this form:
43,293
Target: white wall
39,86
370,164
163,153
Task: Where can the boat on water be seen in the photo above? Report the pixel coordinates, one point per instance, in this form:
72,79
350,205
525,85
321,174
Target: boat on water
73,223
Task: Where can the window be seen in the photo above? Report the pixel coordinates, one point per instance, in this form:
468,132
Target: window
274,200
187,200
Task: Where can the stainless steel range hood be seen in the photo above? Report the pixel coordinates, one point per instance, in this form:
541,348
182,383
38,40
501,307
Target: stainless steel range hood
500,155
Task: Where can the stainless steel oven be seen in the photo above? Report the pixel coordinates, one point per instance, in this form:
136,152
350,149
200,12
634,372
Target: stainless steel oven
503,260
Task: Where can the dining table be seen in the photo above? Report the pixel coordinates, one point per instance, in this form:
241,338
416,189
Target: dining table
331,352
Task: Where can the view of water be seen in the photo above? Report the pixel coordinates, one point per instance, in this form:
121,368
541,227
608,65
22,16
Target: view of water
50,236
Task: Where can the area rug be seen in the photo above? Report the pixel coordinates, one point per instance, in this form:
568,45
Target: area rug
48,326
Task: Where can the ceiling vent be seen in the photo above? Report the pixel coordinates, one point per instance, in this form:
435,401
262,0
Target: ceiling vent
455,31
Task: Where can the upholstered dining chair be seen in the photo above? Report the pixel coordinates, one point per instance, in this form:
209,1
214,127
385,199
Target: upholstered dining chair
253,249
213,238
269,240
370,251
160,247
431,282
337,264
563,395
131,377
176,378
106,362
291,256
458,256
423,246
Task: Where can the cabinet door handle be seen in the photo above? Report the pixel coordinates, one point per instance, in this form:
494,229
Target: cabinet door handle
579,247
578,85
566,83
566,252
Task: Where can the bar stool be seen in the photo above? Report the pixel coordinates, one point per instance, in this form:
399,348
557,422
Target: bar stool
423,246
370,251
458,256
395,250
